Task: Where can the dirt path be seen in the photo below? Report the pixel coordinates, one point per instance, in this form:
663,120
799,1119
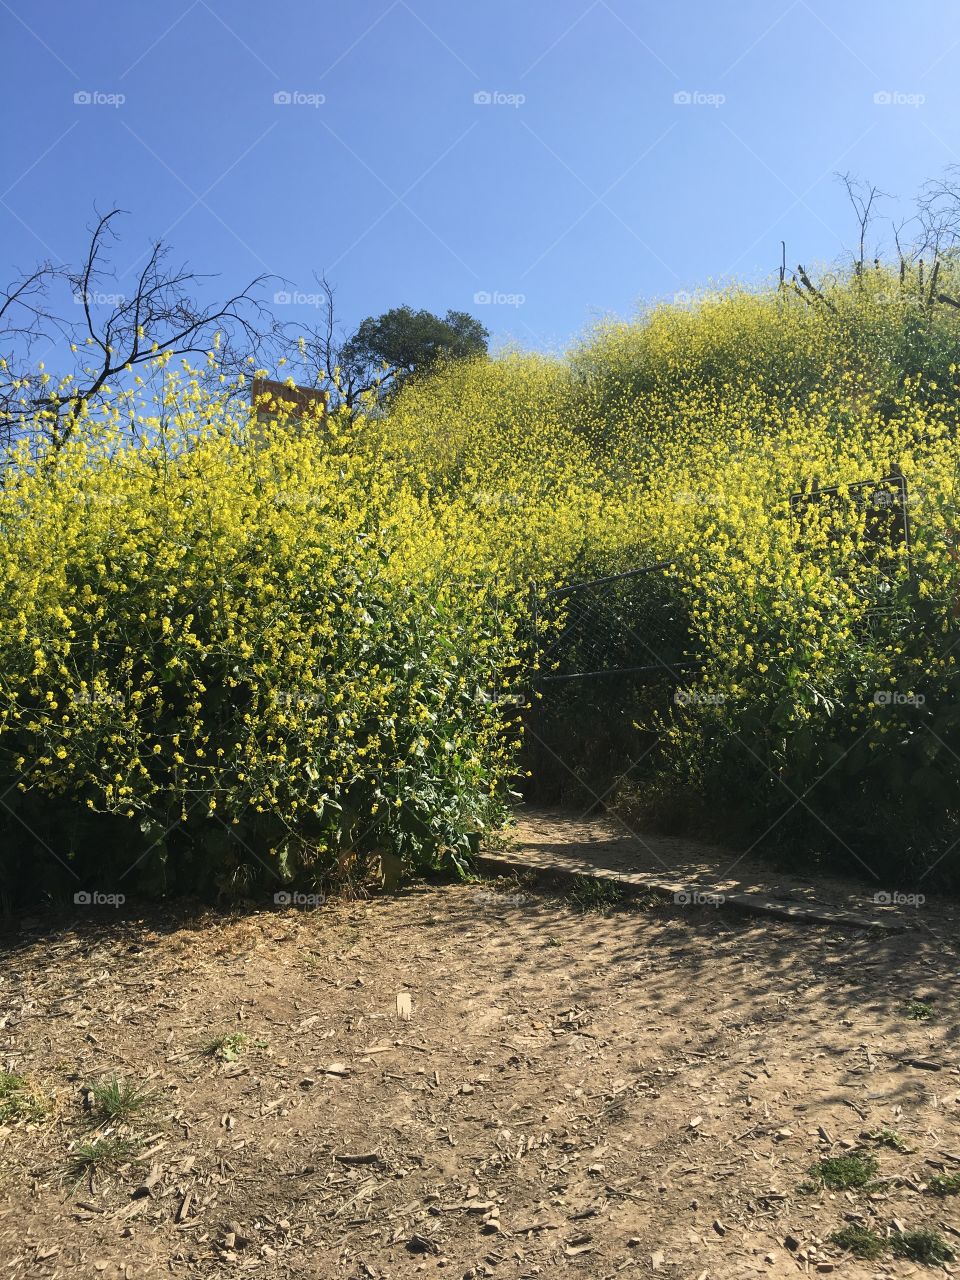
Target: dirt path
636,1093
548,839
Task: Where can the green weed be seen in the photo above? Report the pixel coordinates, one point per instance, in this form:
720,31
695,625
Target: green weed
839,1173
118,1100
889,1138
920,1010
859,1241
922,1246
945,1184
590,894
19,1100
107,1153
227,1048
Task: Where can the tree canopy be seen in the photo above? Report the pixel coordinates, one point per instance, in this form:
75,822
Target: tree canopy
403,342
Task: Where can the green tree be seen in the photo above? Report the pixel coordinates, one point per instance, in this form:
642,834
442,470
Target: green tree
387,349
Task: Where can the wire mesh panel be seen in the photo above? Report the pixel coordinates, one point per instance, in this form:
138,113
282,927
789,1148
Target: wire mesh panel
870,516
627,624
608,655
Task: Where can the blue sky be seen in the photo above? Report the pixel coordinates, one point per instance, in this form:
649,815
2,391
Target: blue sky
444,152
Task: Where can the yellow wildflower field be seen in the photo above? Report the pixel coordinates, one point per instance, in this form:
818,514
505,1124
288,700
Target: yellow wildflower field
234,649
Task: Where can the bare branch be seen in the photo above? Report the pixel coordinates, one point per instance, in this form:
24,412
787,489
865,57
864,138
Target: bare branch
862,196
161,316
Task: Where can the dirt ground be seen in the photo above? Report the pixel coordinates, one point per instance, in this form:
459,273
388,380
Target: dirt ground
484,1080
551,837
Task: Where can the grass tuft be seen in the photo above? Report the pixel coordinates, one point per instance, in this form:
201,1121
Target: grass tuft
859,1241
19,1100
107,1153
590,894
840,1173
118,1100
922,1246
945,1184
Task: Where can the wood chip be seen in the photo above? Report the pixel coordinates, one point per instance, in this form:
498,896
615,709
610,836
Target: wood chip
149,1182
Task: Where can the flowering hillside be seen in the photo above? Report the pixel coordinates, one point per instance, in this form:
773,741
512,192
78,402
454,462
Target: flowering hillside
234,653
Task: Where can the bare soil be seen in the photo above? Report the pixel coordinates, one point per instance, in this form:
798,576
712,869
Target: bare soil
640,1090
608,841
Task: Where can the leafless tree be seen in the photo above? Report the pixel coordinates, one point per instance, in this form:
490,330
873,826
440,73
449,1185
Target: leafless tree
938,217
112,332
321,356
938,208
862,196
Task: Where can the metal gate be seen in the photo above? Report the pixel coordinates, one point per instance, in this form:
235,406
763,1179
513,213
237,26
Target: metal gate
625,624
608,657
